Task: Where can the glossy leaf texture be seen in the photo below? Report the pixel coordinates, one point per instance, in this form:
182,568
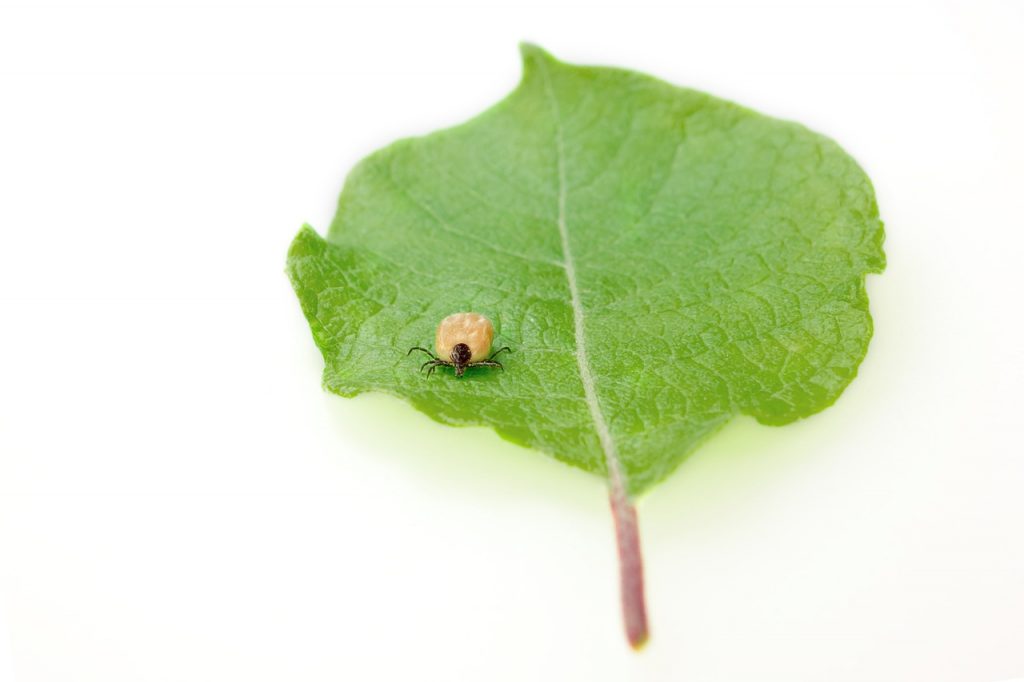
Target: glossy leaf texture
659,260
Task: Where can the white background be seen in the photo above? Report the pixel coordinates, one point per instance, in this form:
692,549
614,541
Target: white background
181,501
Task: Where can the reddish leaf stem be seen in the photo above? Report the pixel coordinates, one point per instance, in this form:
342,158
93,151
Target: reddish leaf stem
631,567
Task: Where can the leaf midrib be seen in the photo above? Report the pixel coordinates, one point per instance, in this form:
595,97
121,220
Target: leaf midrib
616,476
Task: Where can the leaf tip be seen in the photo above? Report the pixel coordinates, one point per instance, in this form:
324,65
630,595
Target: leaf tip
531,52
307,240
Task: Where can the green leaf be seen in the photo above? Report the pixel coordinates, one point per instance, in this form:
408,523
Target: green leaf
708,261
659,260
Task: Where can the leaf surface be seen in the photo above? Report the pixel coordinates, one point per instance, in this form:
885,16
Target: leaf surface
659,260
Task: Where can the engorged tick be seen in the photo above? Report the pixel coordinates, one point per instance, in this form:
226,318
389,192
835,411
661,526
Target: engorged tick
464,339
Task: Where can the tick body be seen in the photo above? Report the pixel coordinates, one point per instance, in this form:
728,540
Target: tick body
463,340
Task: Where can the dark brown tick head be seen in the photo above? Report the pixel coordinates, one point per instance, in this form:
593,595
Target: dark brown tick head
460,358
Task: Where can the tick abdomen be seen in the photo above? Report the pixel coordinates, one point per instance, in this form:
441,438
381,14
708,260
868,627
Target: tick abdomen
471,329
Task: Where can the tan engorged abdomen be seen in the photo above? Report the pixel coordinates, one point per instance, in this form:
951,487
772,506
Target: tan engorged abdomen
472,329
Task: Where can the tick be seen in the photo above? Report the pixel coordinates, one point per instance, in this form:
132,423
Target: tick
464,339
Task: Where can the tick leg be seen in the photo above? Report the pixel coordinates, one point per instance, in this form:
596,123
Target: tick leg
428,362
488,363
419,348
495,353
437,363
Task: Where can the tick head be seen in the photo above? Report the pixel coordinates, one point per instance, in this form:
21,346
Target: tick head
460,356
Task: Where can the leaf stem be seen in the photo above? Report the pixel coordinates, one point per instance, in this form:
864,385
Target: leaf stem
631,567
